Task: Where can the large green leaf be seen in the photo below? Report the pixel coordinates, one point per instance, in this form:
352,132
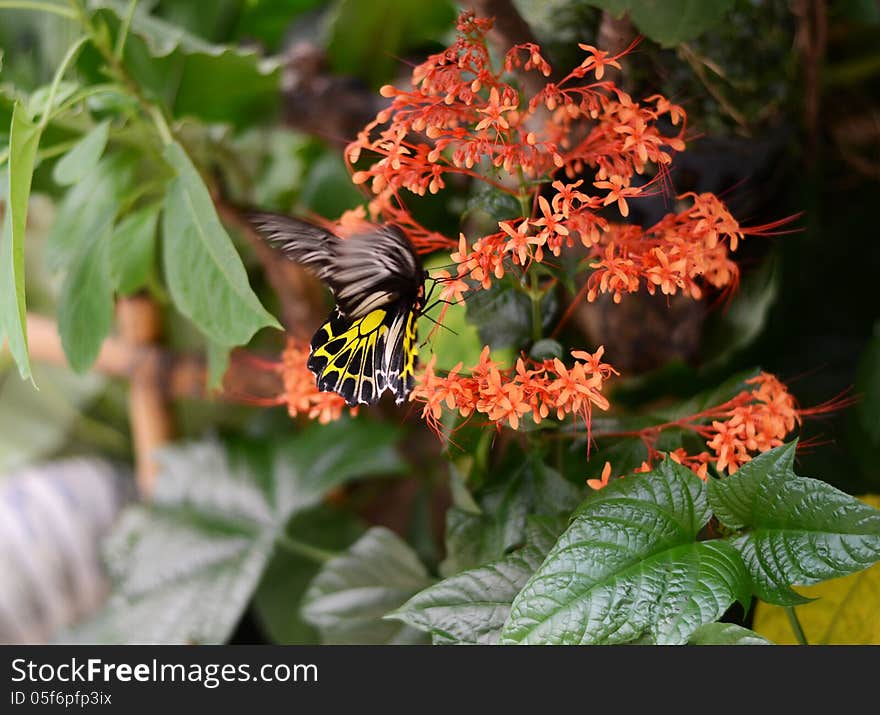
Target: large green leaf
185,567
669,22
471,607
629,567
217,297
797,530
24,137
350,596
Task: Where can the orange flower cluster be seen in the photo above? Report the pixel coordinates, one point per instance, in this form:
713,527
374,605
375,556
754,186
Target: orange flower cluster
754,421
301,393
508,395
462,115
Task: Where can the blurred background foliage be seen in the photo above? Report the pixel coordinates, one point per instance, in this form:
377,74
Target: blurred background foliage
784,118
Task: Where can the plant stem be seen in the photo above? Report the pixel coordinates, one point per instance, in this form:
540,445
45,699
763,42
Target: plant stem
300,548
123,30
535,297
796,625
39,6
56,81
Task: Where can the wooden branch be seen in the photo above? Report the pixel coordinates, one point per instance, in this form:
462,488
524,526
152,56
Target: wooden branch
180,376
149,410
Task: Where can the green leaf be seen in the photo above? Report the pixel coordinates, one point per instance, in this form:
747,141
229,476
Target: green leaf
218,363
629,566
194,78
217,297
476,539
24,138
89,208
352,593
132,251
185,566
843,610
357,29
289,573
726,634
471,607
797,530
83,157
85,305
669,22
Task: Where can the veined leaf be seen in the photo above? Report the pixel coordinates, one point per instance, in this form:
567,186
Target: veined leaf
844,611
472,606
83,157
89,208
629,566
353,592
85,305
797,530
132,250
474,539
217,297
24,137
185,567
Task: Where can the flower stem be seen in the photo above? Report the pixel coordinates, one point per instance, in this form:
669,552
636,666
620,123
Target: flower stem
535,297
796,625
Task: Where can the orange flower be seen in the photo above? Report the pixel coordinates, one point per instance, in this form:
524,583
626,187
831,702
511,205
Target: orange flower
505,396
603,481
301,391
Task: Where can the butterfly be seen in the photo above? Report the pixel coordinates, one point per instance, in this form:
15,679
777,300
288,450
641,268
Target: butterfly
368,343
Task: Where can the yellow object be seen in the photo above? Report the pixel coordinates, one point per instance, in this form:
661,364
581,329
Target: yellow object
847,611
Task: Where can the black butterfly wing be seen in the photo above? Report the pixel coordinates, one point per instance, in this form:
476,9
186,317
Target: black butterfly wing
374,269
366,271
359,358
302,242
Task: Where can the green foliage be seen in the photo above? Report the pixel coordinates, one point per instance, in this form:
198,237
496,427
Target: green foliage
80,160
367,38
472,606
217,298
795,530
24,138
380,565
185,567
638,538
669,22
134,131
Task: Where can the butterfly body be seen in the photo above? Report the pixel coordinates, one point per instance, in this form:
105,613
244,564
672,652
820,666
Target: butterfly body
368,344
